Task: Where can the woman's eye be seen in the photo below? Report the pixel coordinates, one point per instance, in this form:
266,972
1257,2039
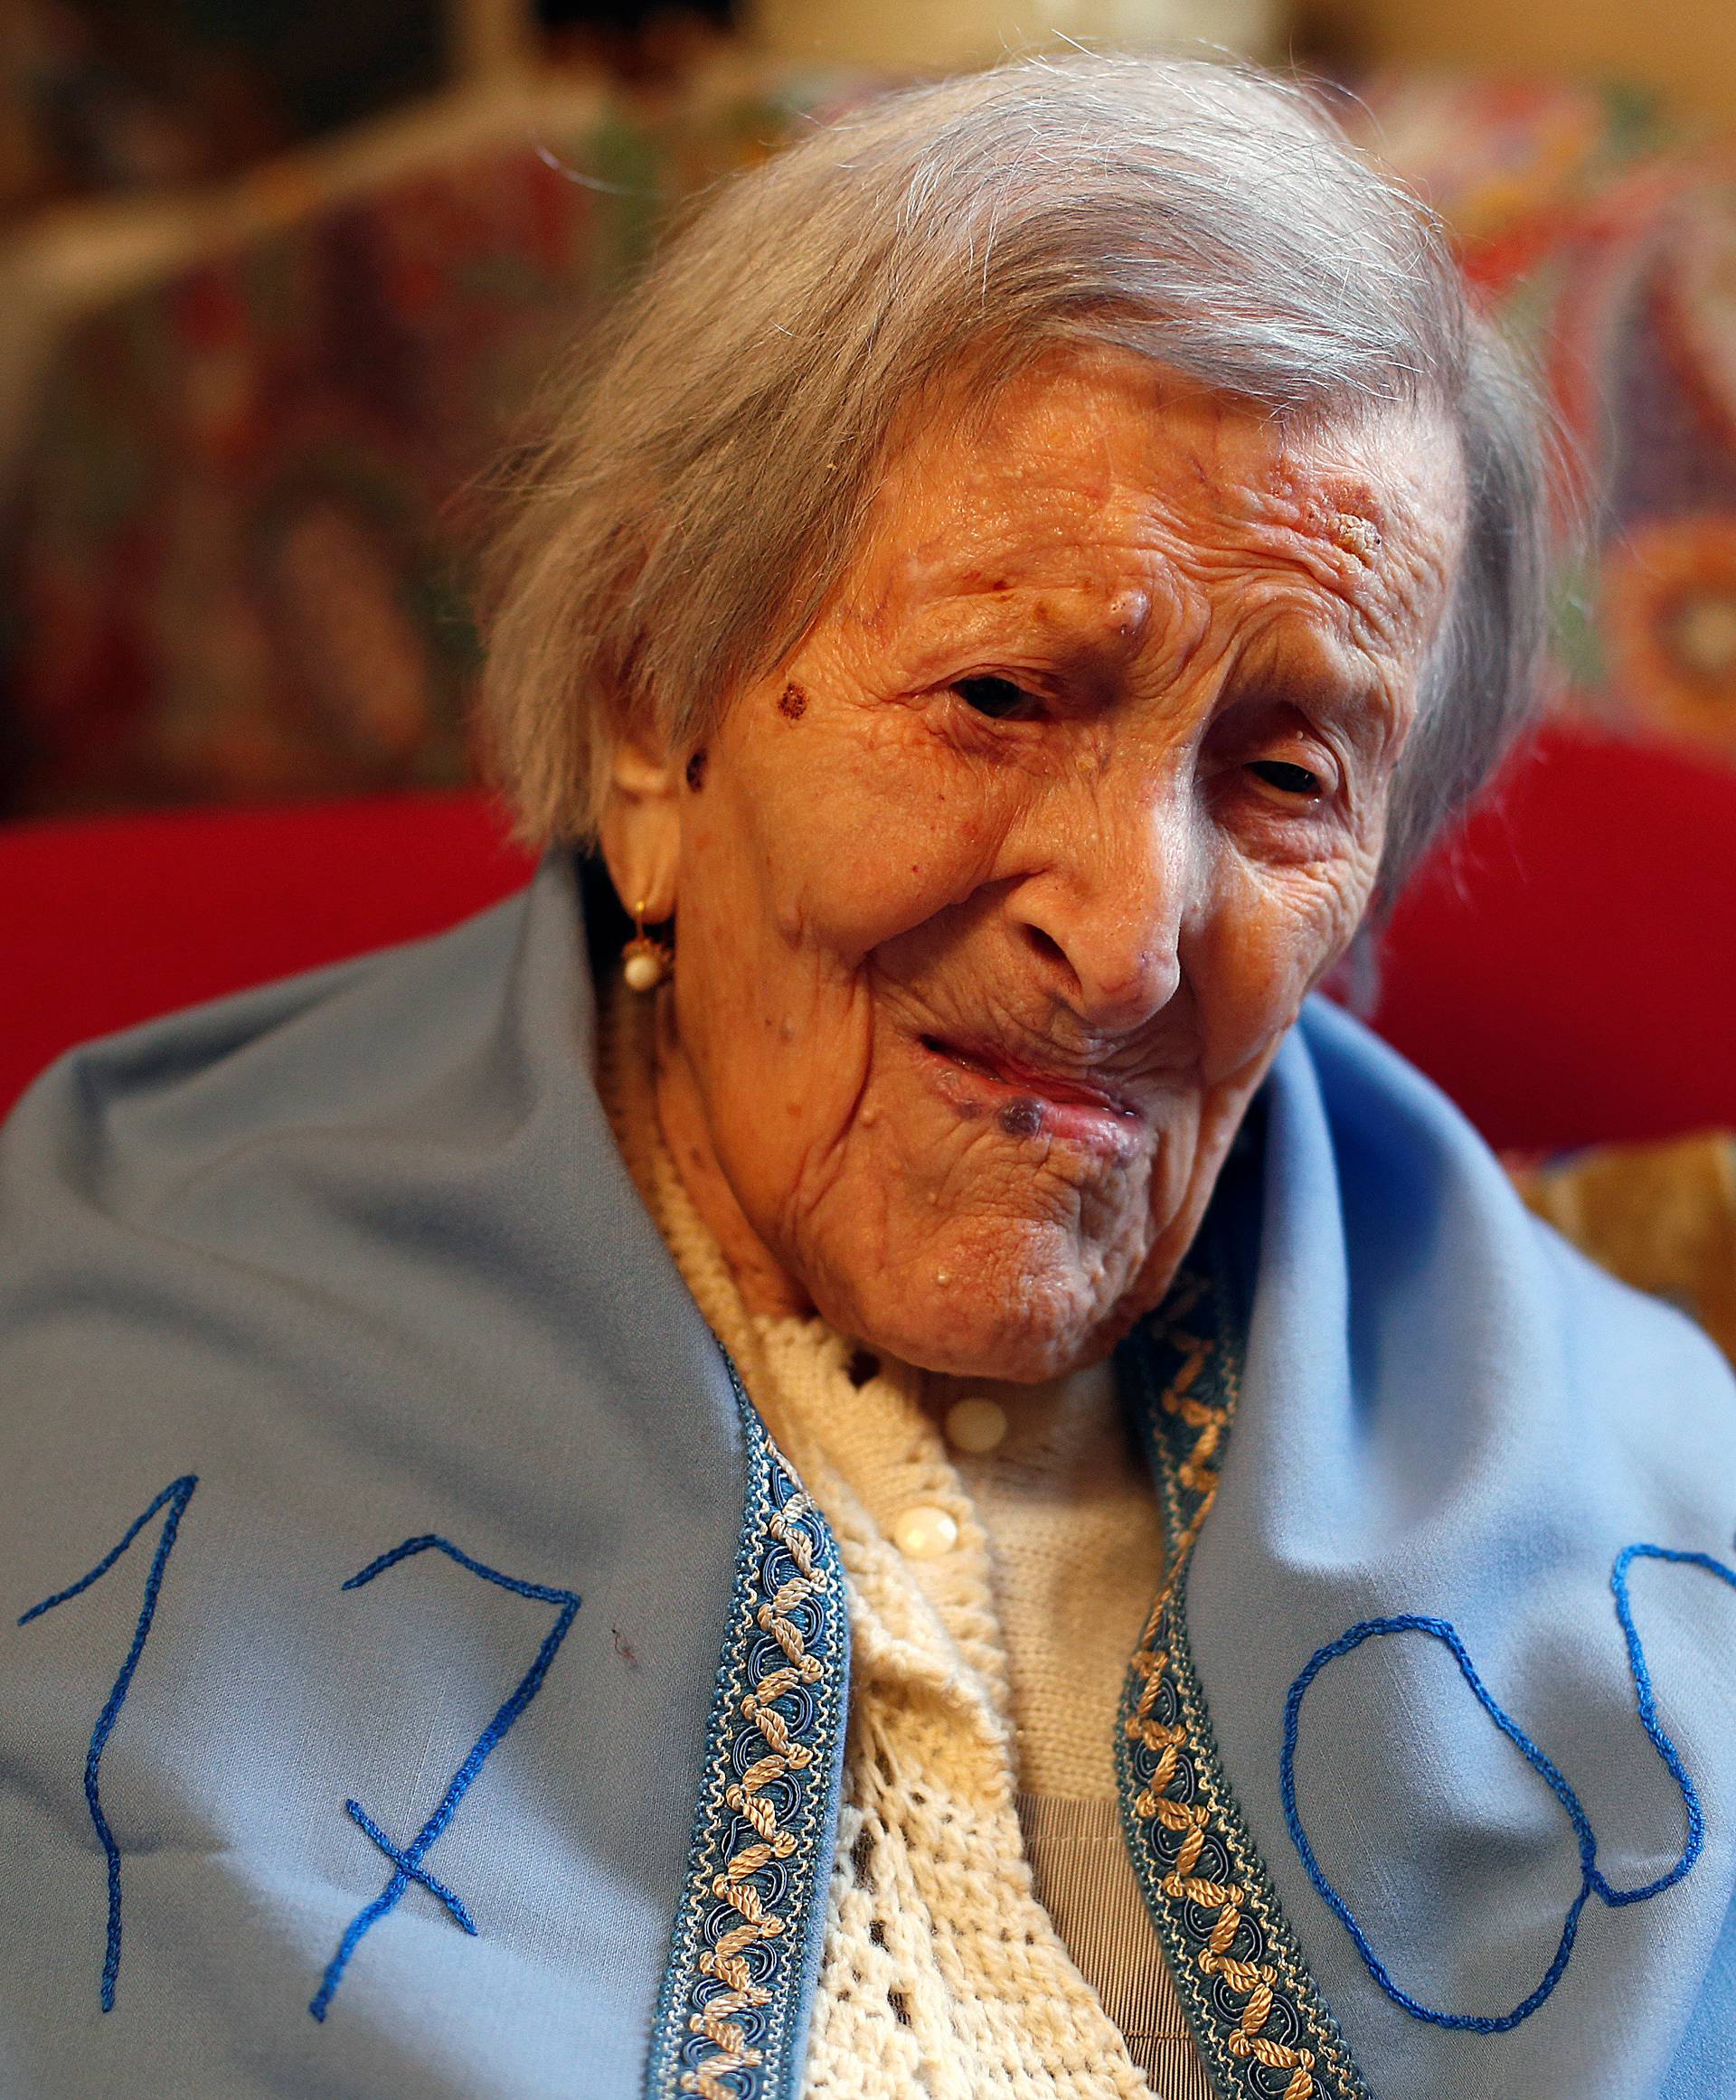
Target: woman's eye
1288,779
995,697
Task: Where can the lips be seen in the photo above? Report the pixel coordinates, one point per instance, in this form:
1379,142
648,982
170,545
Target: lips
1052,1091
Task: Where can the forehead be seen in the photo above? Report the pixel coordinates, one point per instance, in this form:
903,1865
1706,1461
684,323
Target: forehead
1100,475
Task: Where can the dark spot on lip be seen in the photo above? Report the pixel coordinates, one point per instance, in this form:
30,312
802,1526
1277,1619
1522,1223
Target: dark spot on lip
1022,1118
1017,1115
696,769
863,1364
792,703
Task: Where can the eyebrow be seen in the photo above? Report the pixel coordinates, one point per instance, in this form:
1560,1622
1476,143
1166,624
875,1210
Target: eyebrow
1305,651
1313,668
1082,625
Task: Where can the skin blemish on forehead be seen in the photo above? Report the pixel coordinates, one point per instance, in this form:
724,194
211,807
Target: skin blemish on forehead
1131,615
792,703
1357,535
696,770
1345,512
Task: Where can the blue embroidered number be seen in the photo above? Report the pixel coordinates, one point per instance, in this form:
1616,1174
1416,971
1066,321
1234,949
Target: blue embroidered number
1591,1879
407,1864
175,1499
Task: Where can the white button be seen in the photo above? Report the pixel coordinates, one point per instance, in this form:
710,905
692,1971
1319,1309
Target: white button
924,1533
976,1425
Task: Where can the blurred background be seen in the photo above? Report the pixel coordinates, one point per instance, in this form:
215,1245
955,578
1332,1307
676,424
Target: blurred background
275,277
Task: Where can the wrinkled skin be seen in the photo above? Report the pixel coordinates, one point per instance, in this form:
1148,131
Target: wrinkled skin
995,901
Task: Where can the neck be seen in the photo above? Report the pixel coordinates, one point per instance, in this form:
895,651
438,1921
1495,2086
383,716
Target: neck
766,1285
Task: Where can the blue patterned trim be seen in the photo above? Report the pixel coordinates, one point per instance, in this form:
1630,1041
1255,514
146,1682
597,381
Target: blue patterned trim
1263,2026
730,2021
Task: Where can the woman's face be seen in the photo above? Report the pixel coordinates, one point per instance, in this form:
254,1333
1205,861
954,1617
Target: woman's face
995,901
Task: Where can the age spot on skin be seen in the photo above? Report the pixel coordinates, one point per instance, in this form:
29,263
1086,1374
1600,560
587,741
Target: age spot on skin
696,769
1022,1119
792,703
1357,535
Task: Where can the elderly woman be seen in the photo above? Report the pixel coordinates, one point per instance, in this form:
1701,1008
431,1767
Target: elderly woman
1127,1610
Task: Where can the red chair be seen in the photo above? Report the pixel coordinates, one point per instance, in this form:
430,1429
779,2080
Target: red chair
1565,969
1565,966
106,921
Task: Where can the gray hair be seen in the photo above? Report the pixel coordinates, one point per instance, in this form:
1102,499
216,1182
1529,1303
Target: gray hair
715,451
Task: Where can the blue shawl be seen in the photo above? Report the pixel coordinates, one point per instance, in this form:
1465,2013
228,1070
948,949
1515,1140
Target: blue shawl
421,1675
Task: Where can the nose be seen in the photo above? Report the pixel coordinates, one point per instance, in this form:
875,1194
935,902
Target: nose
1104,911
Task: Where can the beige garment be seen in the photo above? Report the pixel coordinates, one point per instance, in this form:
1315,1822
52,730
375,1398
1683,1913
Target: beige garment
1076,1550
943,1974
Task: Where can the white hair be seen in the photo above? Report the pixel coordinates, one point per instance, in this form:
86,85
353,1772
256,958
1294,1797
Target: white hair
712,457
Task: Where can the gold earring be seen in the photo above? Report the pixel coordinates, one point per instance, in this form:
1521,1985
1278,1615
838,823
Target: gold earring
644,962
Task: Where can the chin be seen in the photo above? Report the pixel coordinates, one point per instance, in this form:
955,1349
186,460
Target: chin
1015,1321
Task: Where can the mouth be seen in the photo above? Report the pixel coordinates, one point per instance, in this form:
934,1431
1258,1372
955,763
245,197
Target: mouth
979,1080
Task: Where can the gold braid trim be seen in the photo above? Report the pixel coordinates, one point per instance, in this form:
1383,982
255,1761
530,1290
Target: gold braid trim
726,1962
1252,1981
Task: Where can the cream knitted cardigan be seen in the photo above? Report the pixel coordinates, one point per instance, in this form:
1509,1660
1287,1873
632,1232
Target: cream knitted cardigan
942,1974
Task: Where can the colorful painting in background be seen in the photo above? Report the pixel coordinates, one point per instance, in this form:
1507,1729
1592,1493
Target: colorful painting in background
1607,248
238,536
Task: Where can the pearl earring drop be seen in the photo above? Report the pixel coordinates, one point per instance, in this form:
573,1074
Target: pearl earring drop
644,962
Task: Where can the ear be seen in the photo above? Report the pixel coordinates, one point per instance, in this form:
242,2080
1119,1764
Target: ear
640,832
